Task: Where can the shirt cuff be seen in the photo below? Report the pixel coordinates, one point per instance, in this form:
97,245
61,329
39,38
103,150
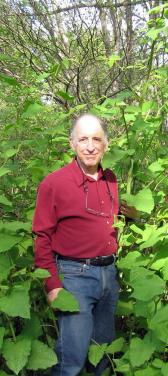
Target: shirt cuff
52,282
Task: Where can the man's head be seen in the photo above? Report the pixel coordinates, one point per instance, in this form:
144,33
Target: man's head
89,140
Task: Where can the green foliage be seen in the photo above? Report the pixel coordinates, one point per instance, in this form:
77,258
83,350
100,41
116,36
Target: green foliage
40,96
65,302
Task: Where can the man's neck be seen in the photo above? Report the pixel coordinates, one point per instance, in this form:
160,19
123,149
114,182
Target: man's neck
90,171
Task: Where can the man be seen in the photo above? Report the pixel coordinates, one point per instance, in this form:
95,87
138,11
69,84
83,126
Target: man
73,222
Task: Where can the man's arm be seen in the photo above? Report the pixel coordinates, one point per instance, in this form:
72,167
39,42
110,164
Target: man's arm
44,225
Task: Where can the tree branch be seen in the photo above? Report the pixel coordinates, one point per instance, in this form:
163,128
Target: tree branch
83,5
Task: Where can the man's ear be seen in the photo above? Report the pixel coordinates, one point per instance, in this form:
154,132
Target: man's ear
106,146
71,142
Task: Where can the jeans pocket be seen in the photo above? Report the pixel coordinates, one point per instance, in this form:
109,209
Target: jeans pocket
69,267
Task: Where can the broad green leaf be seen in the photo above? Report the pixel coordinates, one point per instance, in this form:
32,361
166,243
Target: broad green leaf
156,167
153,284
144,309
142,201
9,79
65,95
153,33
165,271
140,351
164,369
154,237
33,327
5,201
10,153
15,226
8,241
65,302
41,356
2,332
112,60
115,155
157,363
125,307
161,256
116,346
16,353
149,371
160,317
159,324
33,109
16,302
132,259
40,273
96,353
5,266
4,171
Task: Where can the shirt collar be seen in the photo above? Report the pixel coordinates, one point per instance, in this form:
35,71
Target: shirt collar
79,176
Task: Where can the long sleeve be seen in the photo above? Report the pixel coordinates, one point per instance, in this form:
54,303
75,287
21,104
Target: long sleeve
44,225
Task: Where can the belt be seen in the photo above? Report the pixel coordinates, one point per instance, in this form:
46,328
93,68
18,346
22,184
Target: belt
97,261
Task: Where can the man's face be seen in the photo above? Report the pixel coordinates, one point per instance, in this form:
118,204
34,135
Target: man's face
89,142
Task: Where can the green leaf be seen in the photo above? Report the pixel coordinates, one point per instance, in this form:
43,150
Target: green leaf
140,351
65,95
33,109
2,373
41,356
153,33
9,80
153,235
144,309
40,273
161,256
116,346
132,259
5,201
165,271
142,201
16,353
16,302
10,153
2,332
112,60
8,241
15,226
96,353
159,324
124,307
149,371
33,327
5,266
4,171
164,369
65,302
153,284
156,167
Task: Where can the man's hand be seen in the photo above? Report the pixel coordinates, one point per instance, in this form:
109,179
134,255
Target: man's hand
52,295
129,211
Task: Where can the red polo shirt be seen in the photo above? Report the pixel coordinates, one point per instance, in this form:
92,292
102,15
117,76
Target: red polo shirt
63,224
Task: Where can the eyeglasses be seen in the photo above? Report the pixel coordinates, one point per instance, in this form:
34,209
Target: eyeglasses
95,212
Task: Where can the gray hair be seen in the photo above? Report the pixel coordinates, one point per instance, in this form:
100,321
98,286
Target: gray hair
100,121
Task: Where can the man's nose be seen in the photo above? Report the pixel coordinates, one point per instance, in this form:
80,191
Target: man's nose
90,145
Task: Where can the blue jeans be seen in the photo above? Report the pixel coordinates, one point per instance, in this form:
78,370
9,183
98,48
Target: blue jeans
96,289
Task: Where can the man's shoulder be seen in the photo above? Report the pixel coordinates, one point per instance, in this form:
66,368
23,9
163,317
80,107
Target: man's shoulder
58,176
110,175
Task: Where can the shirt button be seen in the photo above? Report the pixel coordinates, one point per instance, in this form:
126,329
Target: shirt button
102,202
109,243
108,222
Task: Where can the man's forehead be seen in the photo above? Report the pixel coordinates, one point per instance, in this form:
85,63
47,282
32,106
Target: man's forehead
88,126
